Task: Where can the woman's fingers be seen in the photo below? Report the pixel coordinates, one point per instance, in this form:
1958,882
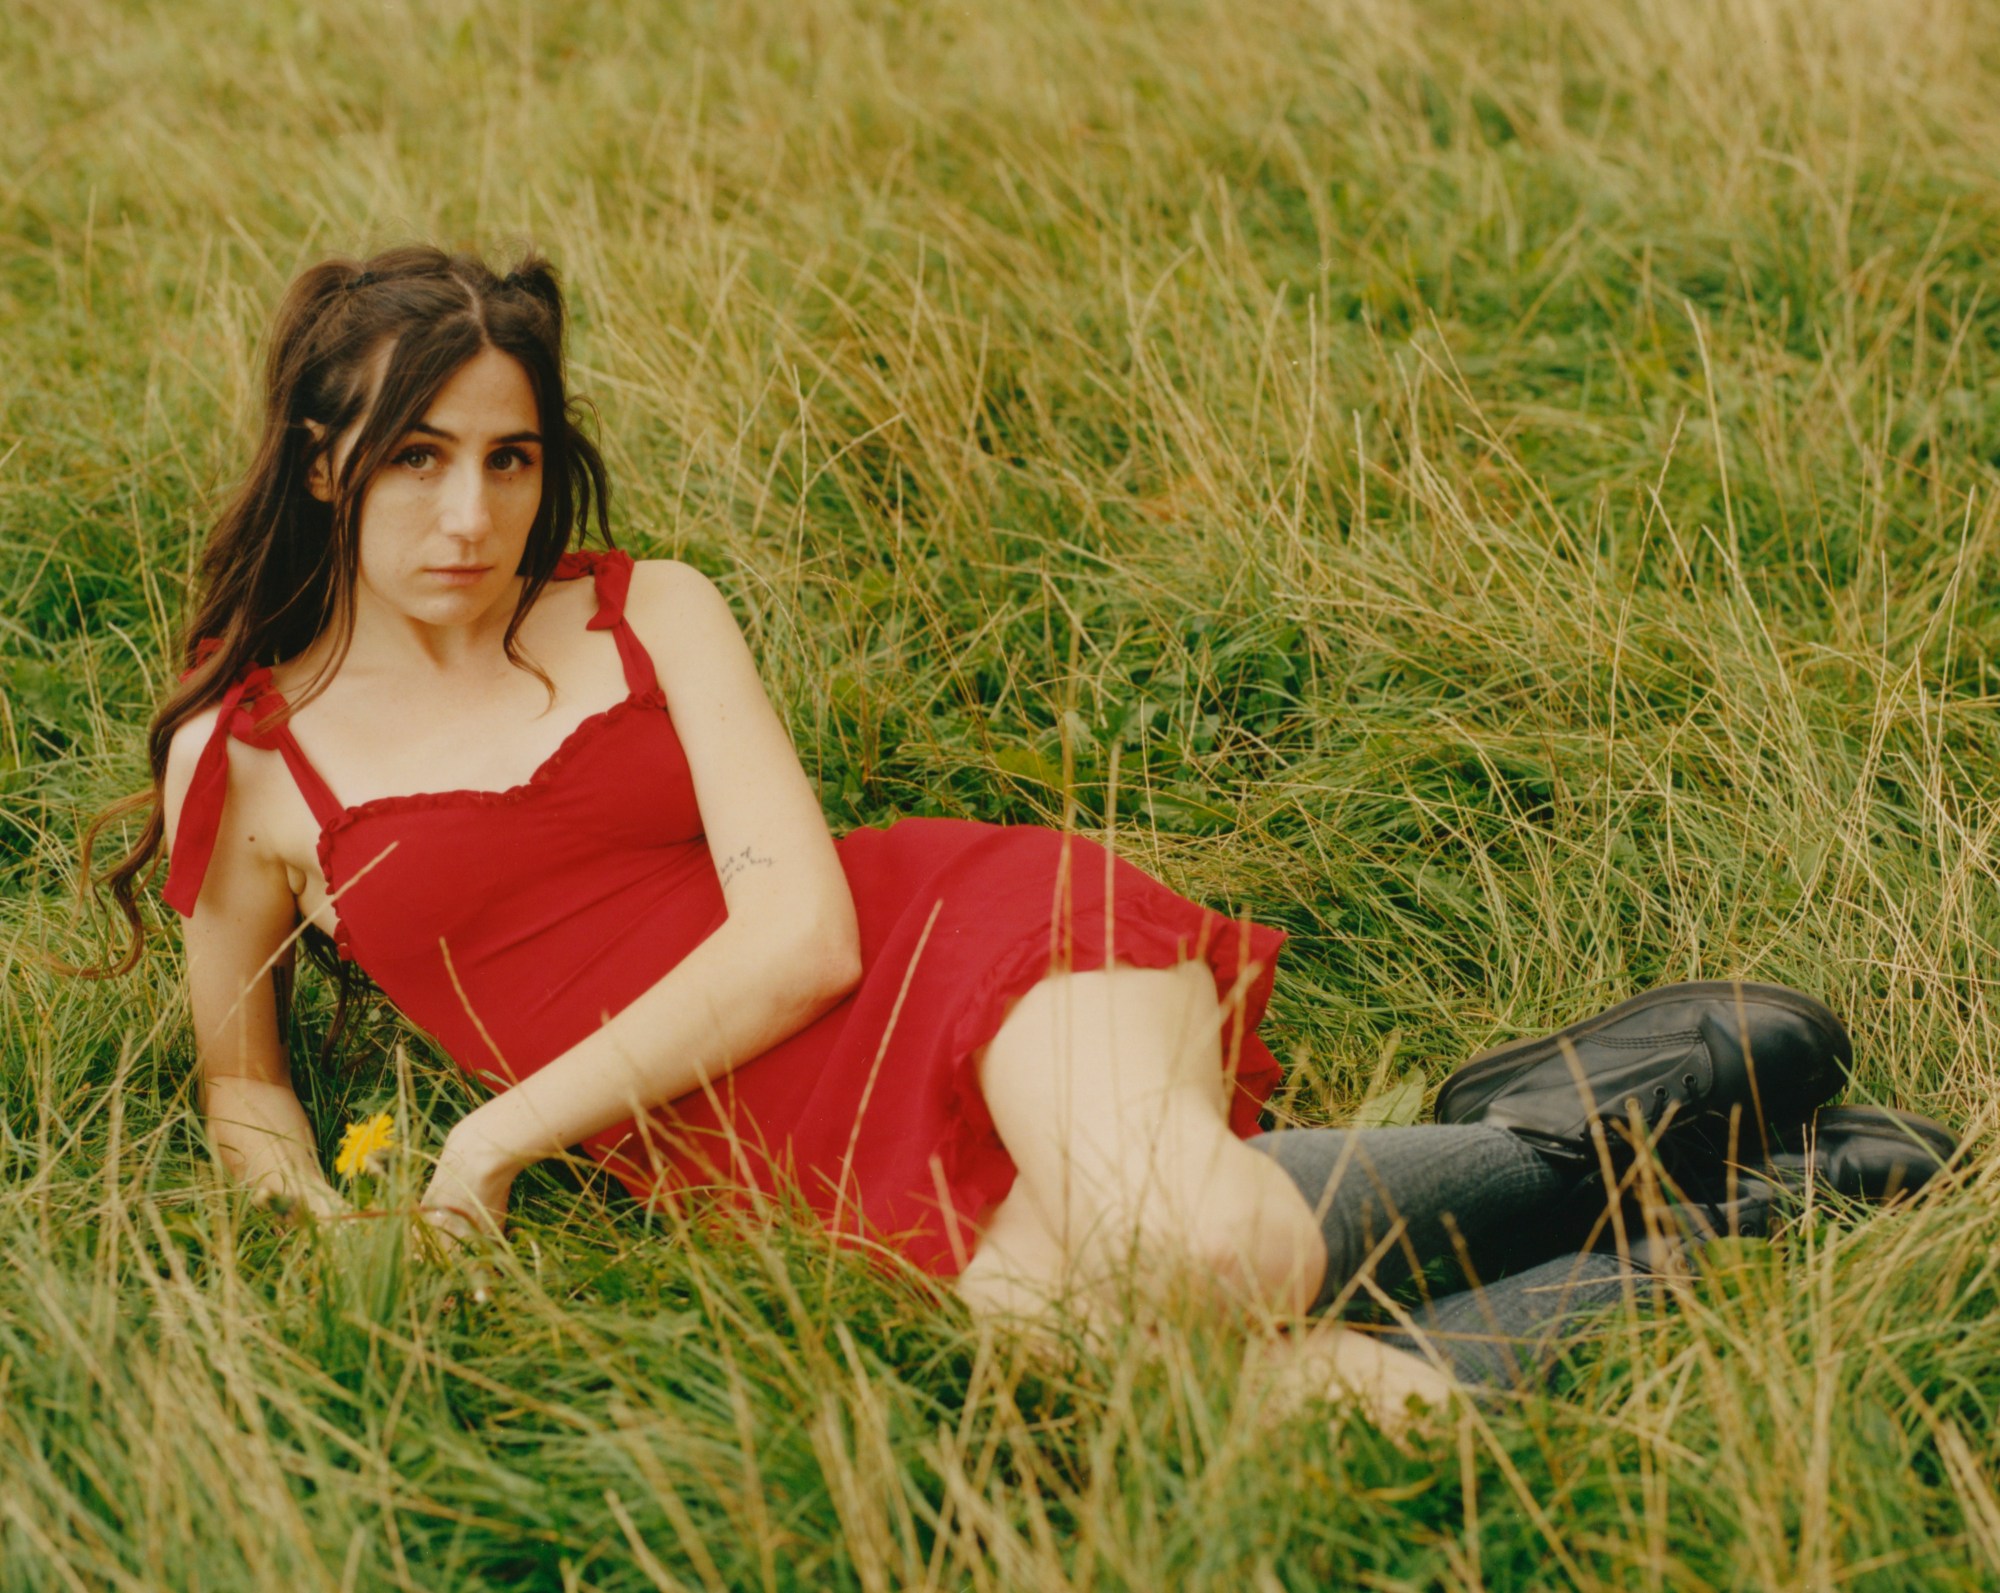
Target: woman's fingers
469,1196
464,1208
453,1234
303,1205
325,1203
453,1223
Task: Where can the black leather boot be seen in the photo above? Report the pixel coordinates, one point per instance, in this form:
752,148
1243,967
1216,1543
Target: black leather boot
1723,1060
1874,1154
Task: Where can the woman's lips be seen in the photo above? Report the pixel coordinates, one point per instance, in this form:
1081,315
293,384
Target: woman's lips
458,575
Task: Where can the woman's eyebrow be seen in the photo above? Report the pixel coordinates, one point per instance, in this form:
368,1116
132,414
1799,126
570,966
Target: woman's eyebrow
442,435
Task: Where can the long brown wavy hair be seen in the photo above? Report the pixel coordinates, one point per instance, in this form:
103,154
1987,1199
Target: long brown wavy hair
362,345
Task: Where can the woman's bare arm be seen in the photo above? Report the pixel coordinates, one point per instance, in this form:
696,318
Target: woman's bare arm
237,938
789,948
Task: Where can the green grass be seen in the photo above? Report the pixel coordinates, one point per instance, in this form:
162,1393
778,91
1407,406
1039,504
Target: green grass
1510,494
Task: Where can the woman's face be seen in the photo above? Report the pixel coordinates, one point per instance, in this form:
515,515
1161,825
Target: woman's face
446,519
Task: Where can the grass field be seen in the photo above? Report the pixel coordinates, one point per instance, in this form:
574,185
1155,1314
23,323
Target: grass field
1509,493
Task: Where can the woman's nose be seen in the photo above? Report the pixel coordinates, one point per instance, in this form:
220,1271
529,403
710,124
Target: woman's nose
467,510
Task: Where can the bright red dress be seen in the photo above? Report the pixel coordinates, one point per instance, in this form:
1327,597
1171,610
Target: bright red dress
509,924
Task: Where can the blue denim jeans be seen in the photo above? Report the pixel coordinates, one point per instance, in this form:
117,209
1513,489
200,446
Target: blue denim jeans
1448,1203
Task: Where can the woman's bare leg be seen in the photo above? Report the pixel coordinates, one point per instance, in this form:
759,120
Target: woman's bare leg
1109,1092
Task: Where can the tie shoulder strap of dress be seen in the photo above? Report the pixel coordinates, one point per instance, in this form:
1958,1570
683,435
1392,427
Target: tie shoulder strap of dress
611,571
253,712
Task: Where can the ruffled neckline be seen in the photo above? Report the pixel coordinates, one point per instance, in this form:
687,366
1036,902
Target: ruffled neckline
543,774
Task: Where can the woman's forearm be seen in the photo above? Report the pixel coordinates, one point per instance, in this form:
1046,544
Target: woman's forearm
730,999
262,1137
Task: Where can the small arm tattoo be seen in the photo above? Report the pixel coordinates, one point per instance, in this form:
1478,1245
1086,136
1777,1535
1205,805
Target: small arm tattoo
736,862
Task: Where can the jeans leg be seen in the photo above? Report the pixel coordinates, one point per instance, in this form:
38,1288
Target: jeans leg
1416,1194
1508,1334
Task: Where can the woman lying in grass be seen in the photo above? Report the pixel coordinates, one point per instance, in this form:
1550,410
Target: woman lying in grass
539,796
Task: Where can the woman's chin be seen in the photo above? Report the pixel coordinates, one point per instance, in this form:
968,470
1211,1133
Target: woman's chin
455,604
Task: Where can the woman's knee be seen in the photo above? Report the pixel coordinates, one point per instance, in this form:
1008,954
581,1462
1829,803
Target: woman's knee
1090,1084
1104,1039
1257,1239
1109,1091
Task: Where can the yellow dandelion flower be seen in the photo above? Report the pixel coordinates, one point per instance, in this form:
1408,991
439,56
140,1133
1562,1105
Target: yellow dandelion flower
362,1145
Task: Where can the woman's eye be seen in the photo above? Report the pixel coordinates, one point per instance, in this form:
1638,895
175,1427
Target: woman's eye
510,459
415,458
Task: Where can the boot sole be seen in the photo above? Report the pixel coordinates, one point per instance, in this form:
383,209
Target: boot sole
1491,1066
1889,1124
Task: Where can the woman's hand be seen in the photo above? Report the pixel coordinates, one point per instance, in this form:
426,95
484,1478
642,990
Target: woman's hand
300,1199
467,1195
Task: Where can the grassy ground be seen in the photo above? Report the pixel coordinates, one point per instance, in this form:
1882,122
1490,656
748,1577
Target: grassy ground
1507,493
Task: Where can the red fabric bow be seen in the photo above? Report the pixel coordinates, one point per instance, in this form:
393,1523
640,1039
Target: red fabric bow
246,711
613,570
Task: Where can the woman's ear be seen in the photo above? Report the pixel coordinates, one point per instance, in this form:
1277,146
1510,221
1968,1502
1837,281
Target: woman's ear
319,474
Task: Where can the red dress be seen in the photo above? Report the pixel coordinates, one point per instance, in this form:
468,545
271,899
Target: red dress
509,924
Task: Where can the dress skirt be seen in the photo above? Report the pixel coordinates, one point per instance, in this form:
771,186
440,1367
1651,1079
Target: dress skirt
873,1114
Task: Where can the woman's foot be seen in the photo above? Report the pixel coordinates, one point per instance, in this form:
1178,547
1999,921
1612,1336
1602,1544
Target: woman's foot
1722,1059
1329,1360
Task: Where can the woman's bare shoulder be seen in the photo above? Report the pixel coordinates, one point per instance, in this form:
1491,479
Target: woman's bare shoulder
247,771
184,751
674,604
656,581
